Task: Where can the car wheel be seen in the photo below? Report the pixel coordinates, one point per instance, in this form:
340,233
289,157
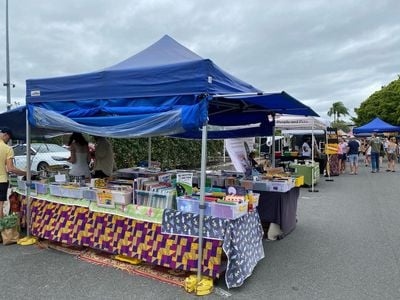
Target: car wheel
42,166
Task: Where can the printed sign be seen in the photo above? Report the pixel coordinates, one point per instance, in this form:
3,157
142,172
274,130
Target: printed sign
105,199
238,153
332,141
184,183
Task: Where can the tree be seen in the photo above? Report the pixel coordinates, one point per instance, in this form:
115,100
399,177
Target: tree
341,125
338,109
384,104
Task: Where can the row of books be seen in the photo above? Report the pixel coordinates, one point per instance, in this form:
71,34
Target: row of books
154,193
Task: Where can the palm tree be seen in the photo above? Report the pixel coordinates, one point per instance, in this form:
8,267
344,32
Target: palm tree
338,109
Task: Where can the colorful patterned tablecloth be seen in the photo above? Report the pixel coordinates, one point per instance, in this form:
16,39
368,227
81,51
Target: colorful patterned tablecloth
132,211
242,239
187,224
79,226
114,234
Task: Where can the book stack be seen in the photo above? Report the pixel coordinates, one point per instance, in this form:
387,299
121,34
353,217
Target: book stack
153,193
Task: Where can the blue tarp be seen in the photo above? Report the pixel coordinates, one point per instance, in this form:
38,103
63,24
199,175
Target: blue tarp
164,90
15,119
376,125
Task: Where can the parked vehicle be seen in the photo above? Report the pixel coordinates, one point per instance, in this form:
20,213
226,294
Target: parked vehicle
43,155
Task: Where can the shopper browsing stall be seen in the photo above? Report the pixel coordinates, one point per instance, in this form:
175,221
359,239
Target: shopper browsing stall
80,156
6,165
104,158
306,148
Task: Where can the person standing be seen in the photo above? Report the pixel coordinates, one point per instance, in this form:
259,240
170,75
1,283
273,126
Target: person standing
392,152
352,152
375,144
104,158
6,165
306,149
80,156
342,148
367,155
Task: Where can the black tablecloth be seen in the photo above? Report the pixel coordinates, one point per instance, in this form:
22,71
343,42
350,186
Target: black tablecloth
279,208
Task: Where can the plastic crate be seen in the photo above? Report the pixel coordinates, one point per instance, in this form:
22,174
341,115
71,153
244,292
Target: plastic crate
279,186
89,194
41,188
192,205
228,211
298,181
55,190
72,192
154,199
122,197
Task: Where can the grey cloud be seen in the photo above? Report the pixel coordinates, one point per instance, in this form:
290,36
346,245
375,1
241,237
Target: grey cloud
318,51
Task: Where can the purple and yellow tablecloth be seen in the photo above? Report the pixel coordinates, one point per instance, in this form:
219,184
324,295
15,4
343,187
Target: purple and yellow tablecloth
240,239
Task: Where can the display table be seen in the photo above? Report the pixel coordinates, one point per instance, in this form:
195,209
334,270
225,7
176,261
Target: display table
307,171
79,226
132,173
279,208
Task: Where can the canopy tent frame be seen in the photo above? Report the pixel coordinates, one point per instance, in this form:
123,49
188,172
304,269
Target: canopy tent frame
45,95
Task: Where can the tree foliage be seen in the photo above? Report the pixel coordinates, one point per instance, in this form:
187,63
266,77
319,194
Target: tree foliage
384,104
338,109
339,124
170,152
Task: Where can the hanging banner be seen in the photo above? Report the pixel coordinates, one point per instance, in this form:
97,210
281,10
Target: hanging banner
332,141
238,150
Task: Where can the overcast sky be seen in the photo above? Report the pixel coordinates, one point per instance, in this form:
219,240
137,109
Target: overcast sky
319,52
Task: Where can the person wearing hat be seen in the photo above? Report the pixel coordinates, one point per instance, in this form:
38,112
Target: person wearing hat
352,152
6,165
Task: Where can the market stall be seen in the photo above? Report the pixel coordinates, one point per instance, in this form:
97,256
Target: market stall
376,125
306,125
131,99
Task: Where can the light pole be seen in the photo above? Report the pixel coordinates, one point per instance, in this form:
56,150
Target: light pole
8,84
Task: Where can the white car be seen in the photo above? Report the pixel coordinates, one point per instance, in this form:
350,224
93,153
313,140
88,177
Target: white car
42,156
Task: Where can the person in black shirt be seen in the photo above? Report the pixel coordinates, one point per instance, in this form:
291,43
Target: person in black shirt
352,153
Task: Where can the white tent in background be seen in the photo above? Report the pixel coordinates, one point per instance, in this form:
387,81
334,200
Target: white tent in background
289,123
314,125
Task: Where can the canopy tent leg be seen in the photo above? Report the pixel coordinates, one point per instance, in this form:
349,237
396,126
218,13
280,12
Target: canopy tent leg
202,194
312,158
28,176
273,147
149,154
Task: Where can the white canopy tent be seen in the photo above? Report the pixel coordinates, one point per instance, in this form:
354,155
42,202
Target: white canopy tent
289,124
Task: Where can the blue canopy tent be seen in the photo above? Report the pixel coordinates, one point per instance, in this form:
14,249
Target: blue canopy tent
165,89
376,125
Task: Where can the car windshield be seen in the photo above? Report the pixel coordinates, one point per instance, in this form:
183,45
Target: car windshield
46,148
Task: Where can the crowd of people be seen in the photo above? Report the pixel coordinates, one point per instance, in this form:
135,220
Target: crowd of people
374,150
